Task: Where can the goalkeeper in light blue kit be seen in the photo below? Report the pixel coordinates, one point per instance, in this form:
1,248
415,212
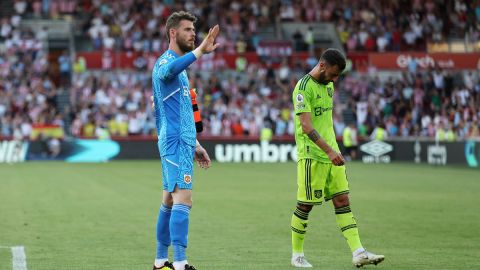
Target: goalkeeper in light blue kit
177,141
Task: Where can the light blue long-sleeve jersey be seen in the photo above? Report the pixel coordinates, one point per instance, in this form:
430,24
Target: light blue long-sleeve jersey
173,105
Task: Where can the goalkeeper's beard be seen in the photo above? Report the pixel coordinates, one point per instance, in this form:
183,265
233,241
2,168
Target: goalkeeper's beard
184,46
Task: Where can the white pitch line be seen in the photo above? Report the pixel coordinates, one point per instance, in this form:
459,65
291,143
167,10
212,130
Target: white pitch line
19,259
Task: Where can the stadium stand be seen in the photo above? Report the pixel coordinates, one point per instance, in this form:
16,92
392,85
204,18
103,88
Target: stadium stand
44,84
27,93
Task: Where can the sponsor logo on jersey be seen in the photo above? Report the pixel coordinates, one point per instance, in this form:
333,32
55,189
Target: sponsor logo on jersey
320,110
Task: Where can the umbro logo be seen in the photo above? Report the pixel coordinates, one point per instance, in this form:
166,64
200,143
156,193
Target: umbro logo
376,148
318,96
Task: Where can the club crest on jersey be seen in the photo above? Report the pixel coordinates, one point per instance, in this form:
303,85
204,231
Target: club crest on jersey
187,178
330,91
318,194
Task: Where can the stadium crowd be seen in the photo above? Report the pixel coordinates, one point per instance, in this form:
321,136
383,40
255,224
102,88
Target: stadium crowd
27,94
420,103
414,104
400,25
417,103
362,25
133,25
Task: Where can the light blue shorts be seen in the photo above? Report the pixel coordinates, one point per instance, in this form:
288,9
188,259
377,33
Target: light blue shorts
177,169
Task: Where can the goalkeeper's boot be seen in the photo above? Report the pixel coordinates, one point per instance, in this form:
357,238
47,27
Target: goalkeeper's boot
166,266
364,258
300,261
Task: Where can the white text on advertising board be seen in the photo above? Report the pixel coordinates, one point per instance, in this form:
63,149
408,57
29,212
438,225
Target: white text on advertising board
376,151
263,152
13,151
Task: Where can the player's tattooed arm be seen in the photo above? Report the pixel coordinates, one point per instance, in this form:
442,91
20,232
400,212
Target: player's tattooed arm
313,135
307,127
334,156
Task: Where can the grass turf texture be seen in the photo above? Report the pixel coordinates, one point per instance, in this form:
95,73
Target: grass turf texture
103,216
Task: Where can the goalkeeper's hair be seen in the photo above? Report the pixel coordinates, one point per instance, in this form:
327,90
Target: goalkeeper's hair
334,57
175,18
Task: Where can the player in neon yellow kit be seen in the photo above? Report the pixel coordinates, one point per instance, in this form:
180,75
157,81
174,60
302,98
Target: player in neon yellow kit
320,168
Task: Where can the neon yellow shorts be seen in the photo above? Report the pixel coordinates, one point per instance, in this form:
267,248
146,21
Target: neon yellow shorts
319,181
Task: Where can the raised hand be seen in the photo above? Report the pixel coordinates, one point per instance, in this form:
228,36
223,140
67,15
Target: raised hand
208,44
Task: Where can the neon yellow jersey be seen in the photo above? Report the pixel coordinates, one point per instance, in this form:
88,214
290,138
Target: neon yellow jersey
317,99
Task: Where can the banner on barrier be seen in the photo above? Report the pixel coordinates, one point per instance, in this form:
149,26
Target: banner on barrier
13,151
430,152
74,150
246,150
257,152
108,60
424,60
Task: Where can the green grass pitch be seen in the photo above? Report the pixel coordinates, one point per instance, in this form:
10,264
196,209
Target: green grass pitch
103,216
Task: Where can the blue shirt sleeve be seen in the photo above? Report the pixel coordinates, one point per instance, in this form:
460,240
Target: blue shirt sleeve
170,70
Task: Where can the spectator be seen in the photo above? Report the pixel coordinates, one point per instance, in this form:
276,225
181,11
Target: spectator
65,66
350,141
379,133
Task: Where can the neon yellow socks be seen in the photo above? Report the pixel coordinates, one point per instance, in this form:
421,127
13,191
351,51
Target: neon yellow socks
299,228
346,222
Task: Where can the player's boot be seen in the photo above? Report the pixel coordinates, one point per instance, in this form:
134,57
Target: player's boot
300,261
166,266
365,257
190,267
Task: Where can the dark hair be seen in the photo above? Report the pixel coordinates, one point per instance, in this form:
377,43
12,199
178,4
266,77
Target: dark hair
174,19
334,57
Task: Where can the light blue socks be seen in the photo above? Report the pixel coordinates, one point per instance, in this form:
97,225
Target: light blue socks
179,230
163,231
